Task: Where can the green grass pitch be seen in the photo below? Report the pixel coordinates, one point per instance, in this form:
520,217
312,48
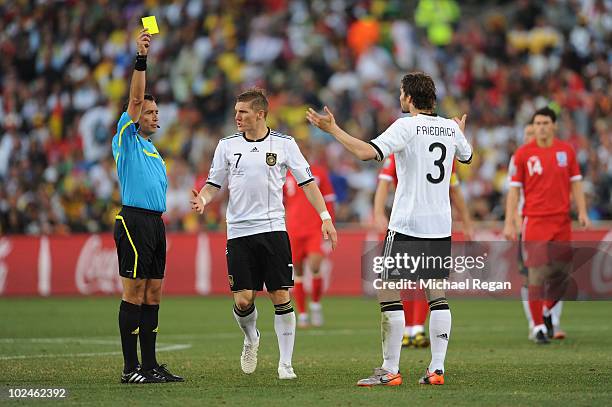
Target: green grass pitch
73,343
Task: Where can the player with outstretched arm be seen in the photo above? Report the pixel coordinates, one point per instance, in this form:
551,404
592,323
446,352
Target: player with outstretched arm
425,146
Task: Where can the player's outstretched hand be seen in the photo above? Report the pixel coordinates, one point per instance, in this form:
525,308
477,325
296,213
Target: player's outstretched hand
509,231
461,122
584,220
197,203
325,122
329,232
143,41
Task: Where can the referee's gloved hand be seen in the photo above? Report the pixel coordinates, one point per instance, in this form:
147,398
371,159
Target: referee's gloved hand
197,202
329,232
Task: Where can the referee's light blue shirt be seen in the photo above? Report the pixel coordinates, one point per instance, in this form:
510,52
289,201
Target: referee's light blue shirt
140,167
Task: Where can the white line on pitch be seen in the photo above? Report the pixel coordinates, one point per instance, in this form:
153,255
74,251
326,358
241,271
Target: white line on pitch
102,340
166,348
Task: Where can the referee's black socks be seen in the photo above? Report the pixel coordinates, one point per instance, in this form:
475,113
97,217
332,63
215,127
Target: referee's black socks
129,320
148,335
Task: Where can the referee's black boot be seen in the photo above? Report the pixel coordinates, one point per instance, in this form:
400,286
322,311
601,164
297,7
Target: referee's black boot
163,371
139,376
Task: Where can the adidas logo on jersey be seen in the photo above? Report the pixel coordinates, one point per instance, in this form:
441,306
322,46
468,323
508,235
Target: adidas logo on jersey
254,150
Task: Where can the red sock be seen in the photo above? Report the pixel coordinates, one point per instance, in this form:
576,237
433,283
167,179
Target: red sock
550,304
408,307
535,304
298,295
419,312
317,287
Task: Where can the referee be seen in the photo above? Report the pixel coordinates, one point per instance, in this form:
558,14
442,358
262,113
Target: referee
139,233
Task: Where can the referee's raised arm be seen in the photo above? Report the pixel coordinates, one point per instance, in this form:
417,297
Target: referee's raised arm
137,86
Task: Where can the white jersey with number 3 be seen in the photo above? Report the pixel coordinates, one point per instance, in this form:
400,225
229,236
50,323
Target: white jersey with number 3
256,172
424,147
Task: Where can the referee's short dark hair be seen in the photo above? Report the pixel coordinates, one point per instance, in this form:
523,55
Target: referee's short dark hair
545,111
147,96
257,97
421,88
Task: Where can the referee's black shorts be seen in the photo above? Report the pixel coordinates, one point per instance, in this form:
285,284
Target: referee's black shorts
257,259
140,237
433,253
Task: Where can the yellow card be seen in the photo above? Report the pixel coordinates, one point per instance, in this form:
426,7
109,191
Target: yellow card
150,23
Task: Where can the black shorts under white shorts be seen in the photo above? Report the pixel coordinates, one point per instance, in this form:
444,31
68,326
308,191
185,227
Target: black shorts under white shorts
140,237
432,251
257,259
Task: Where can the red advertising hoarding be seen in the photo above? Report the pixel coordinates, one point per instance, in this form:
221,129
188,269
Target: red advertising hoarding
87,264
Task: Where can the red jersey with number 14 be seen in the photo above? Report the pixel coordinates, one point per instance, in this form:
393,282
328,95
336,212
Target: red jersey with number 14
545,174
301,217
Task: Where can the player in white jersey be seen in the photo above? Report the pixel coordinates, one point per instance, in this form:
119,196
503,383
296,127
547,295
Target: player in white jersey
254,162
424,145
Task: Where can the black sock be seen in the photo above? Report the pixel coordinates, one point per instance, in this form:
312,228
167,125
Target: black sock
129,318
148,335
391,306
282,309
438,304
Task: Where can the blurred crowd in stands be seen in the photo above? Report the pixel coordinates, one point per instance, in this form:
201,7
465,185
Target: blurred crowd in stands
66,65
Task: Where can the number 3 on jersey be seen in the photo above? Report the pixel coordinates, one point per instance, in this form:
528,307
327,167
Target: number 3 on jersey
438,163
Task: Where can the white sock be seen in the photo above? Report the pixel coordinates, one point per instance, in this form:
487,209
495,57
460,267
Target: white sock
417,329
408,330
439,332
392,331
538,328
248,324
284,325
315,306
525,301
556,313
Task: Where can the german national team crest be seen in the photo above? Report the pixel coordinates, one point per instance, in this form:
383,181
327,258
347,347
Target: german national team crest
271,159
231,280
562,158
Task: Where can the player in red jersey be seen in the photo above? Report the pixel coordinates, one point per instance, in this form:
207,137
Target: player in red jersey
553,315
304,228
548,172
415,304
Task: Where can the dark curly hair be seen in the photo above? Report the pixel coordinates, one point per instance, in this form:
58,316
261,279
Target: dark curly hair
421,88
